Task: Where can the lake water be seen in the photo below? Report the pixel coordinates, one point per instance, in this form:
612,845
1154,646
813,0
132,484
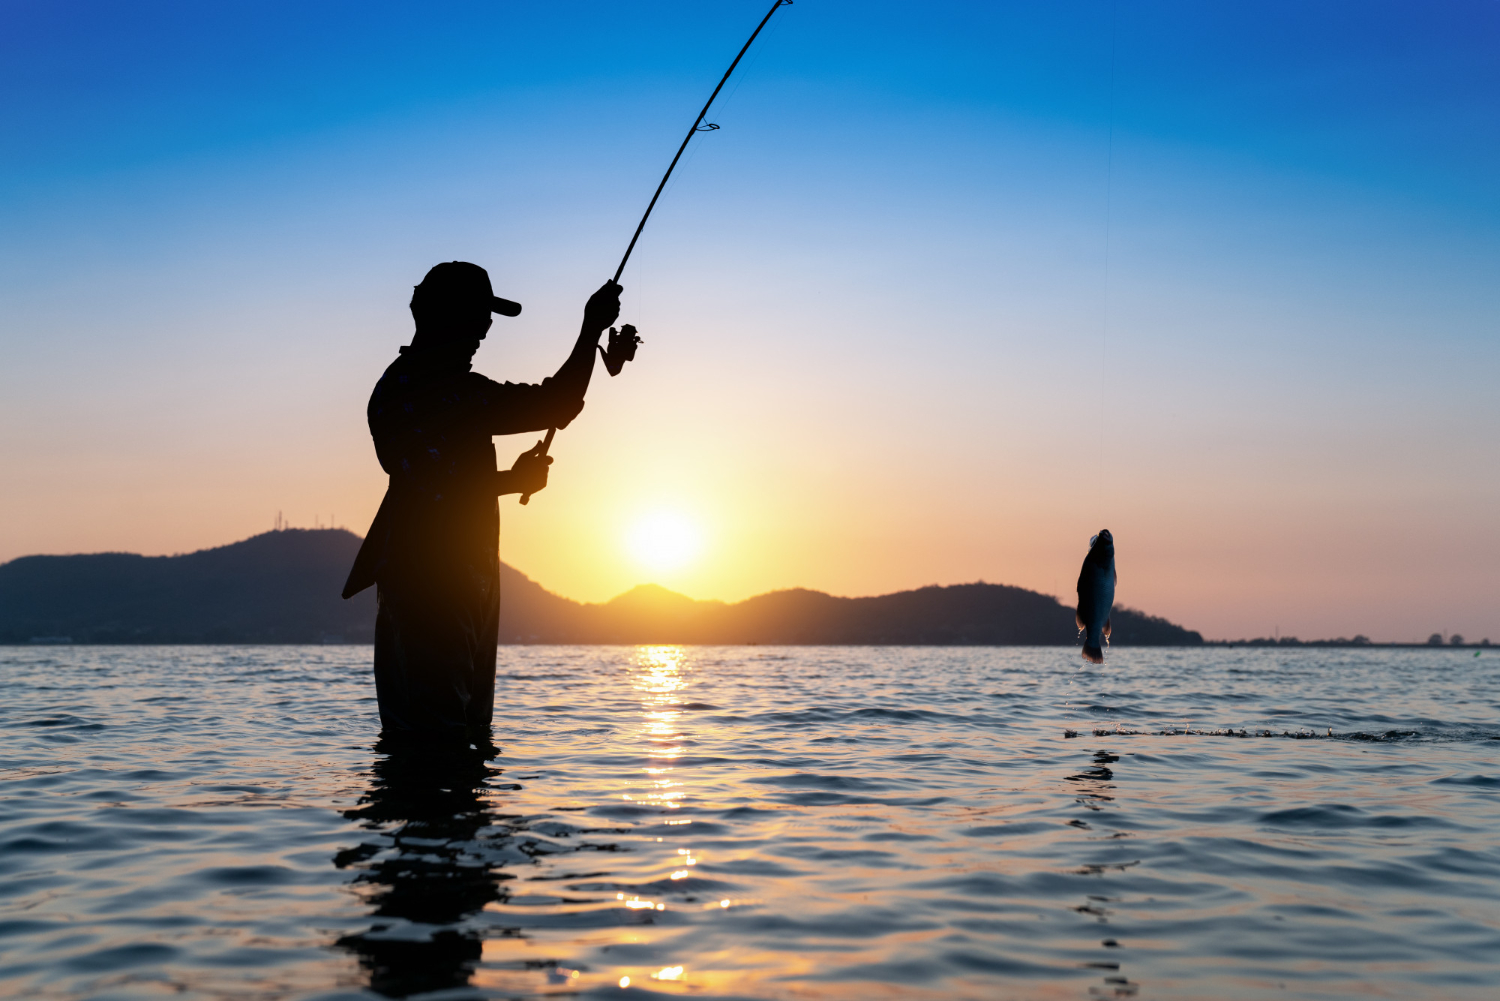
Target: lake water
743,822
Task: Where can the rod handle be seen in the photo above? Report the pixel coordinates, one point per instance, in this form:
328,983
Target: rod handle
541,449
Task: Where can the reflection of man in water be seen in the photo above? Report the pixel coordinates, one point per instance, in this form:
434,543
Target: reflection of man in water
433,550
423,862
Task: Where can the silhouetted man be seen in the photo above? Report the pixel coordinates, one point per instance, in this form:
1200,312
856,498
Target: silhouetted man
433,549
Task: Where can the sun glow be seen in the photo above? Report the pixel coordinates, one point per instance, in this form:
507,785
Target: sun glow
664,540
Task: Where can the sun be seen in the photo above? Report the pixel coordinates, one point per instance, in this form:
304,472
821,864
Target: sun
664,540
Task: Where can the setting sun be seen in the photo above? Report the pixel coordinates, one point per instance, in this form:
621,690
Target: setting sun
664,540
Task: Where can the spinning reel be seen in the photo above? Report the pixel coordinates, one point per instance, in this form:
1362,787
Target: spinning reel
622,345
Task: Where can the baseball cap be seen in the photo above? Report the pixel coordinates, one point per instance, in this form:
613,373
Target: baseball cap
458,284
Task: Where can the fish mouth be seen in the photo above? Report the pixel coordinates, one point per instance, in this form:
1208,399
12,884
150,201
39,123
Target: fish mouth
1103,537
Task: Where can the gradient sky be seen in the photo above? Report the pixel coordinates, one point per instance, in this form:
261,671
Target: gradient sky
954,286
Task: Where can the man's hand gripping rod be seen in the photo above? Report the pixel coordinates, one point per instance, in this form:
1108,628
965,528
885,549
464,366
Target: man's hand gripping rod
540,450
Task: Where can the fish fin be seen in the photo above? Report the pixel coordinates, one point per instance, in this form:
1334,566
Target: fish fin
1093,654
1106,629
1078,618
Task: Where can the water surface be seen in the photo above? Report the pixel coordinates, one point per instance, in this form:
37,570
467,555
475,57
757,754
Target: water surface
743,822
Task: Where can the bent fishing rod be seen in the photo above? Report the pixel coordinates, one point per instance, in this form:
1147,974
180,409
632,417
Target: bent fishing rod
622,344
697,127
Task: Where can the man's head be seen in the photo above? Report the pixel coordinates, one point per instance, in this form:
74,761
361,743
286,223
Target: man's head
454,303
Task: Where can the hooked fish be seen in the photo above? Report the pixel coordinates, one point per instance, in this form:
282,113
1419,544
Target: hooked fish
1096,595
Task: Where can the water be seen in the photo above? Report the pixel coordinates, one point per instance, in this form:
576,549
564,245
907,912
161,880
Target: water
219,822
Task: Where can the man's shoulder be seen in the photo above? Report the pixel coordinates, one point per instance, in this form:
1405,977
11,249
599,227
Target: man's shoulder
398,372
408,375
405,388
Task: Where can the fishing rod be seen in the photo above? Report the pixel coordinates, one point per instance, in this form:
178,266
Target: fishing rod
698,126
622,343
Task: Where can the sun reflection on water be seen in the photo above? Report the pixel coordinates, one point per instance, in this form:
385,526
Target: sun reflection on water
659,677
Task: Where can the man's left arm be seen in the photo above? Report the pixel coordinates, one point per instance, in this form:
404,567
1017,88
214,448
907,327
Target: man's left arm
527,476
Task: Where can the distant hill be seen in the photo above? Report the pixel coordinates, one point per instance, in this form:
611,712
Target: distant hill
283,587
280,587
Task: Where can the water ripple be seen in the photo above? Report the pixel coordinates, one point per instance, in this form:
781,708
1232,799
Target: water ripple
222,822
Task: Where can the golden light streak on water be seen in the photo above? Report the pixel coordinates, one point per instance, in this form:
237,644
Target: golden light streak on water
658,677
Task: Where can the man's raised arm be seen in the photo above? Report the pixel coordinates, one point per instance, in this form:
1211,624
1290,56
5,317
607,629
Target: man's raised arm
602,309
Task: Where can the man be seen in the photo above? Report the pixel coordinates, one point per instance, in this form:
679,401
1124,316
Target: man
433,549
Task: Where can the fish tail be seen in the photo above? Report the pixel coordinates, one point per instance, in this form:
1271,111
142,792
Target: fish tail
1093,653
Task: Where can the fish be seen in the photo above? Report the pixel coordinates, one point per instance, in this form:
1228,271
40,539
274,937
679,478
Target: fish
1096,595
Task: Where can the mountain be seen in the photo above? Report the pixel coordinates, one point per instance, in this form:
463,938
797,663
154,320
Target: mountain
283,587
280,587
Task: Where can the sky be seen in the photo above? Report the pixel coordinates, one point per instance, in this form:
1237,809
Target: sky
954,286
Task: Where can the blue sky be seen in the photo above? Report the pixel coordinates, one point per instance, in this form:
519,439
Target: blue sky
952,284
